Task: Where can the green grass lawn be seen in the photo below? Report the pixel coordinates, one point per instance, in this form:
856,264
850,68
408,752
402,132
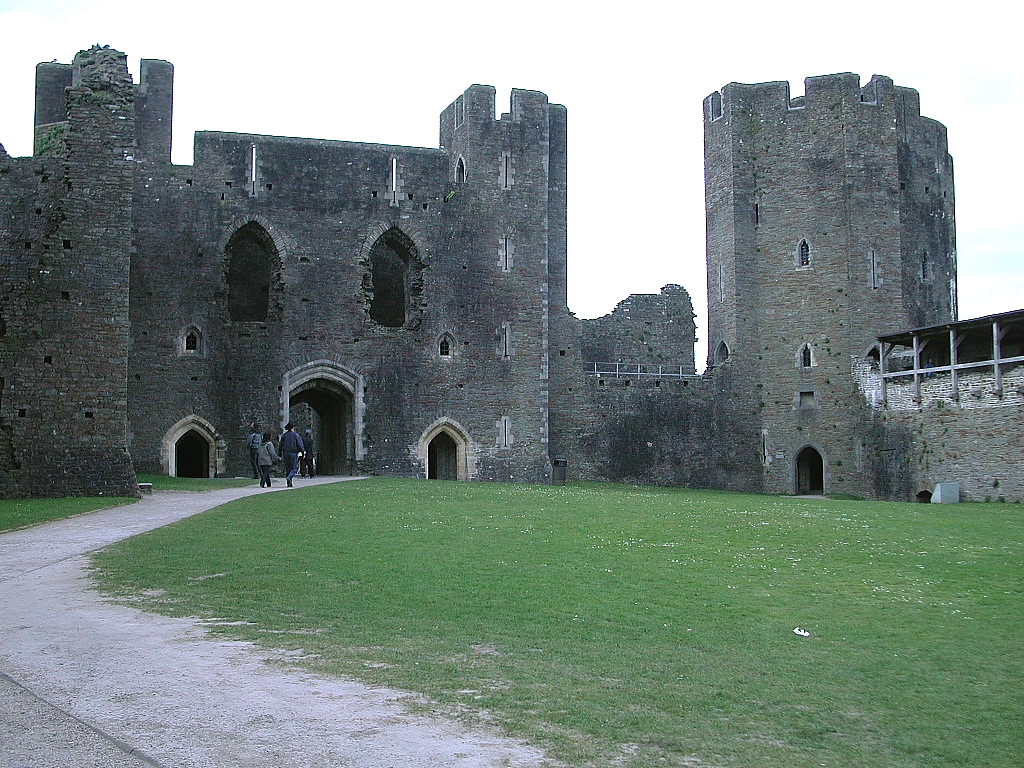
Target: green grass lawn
628,626
167,483
20,513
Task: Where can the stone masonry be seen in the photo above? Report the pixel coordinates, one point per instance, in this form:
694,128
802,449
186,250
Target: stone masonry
408,305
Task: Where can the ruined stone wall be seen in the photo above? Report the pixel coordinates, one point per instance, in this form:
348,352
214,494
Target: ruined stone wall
972,437
63,406
672,431
645,329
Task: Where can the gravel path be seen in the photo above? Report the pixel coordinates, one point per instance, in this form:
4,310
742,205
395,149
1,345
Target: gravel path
89,684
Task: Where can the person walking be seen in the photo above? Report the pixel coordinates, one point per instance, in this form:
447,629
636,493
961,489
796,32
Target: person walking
291,450
253,443
266,457
308,454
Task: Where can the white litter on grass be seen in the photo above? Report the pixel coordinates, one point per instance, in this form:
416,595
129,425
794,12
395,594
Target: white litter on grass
801,632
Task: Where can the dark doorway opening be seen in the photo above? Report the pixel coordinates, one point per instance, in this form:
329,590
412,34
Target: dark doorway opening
442,458
924,497
810,472
325,407
192,455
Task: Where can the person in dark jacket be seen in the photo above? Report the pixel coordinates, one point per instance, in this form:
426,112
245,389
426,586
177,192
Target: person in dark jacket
291,450
308,454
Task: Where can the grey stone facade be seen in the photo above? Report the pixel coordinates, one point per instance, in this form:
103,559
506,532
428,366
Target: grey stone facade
830,222
409,304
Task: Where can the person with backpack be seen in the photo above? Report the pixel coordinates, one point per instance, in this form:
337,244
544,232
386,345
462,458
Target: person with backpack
266,457
253,443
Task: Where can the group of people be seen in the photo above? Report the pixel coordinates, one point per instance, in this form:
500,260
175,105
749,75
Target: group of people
297,452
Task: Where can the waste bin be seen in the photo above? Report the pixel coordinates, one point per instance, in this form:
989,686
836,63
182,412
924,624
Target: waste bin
558,465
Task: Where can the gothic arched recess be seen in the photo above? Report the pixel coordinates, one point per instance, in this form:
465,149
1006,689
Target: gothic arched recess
326,398
253,267
394,281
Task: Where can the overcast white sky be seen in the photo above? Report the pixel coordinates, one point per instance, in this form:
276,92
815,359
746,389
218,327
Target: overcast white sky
632,75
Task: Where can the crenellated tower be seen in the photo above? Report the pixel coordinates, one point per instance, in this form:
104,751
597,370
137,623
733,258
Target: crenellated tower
508,175
829,221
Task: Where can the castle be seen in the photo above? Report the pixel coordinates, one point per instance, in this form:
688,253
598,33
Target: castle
409,304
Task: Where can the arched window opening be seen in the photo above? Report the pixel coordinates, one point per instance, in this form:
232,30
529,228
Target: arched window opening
460,171
390,281
721,353
252,260
192,455
804,254
445,346
442,458
805,356
810,472
191,341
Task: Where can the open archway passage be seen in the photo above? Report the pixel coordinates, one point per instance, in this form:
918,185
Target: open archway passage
810,472
192,455
325,407
442,458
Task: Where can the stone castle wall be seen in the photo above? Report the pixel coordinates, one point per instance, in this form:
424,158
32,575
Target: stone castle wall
972,437
645,329
324,207
409,304
64,302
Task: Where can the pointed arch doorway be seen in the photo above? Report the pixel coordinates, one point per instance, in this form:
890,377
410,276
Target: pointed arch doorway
445,451
326,398
810,472
192,455
442,457
193,448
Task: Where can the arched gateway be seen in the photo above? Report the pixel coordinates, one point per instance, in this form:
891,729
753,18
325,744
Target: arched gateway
327,398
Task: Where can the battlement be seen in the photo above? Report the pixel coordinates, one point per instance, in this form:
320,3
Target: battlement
104,70
821,92
476,108
154,109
